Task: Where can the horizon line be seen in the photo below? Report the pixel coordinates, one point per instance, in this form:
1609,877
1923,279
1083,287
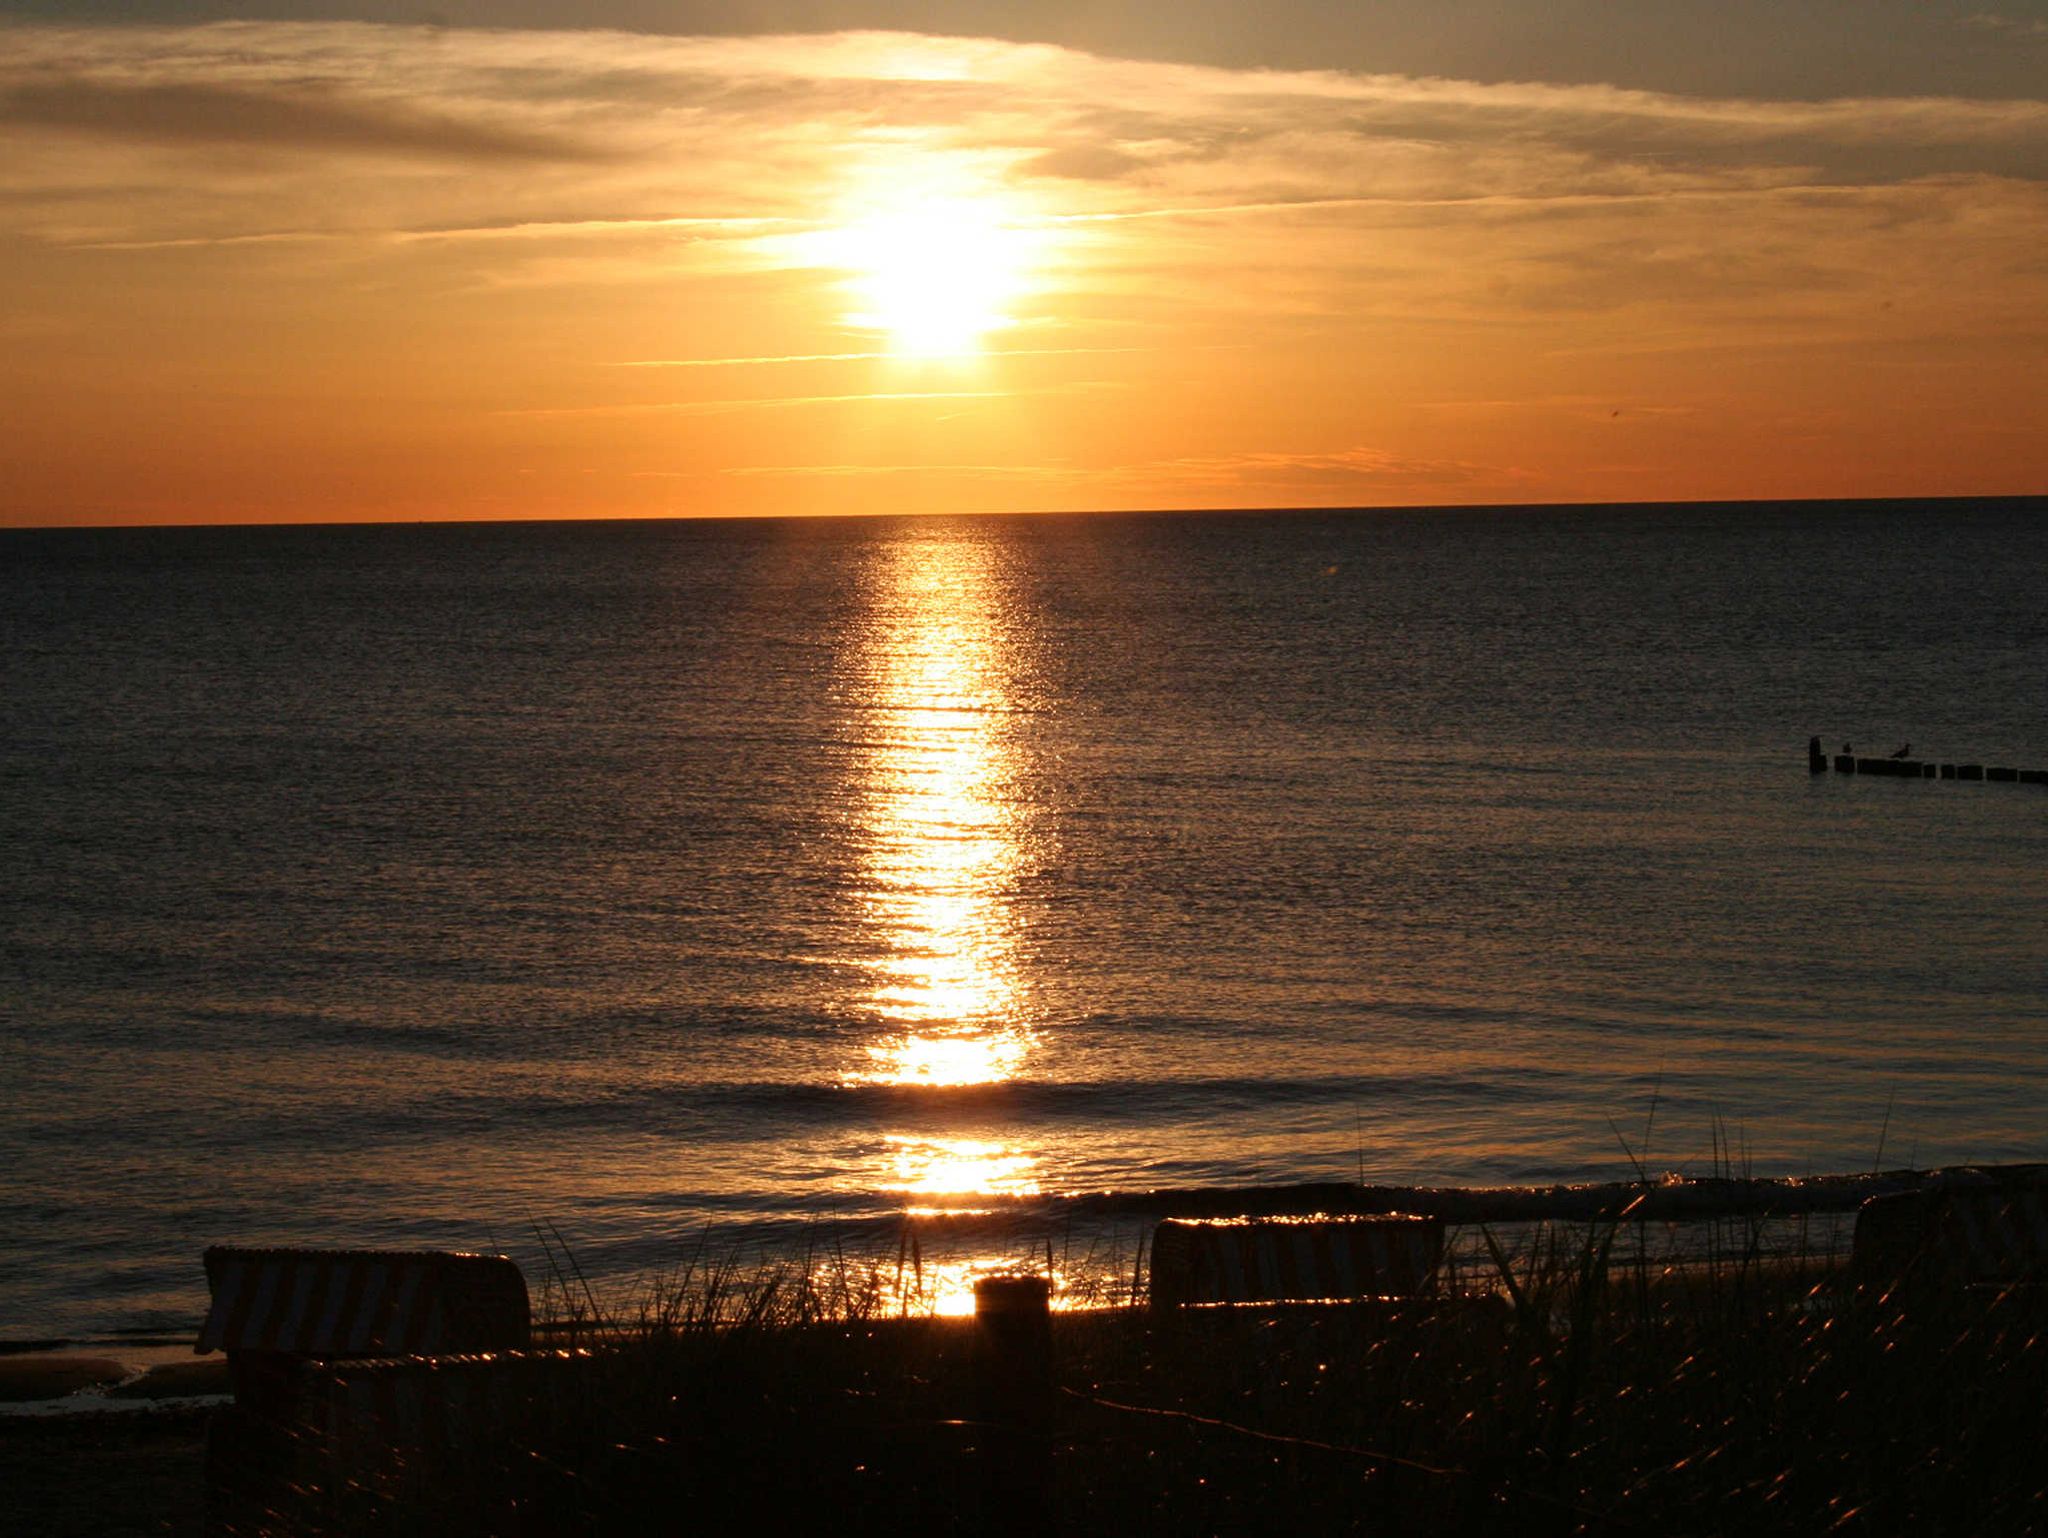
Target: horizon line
1277,509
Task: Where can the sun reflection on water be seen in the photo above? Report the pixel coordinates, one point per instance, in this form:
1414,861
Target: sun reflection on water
946,1060
953,1167
943,1287
941,826
940,829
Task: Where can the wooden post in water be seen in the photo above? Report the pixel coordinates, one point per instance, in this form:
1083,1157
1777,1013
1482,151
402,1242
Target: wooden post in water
1818,762
1013,1359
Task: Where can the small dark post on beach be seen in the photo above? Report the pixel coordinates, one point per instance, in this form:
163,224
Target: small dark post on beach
1013,1358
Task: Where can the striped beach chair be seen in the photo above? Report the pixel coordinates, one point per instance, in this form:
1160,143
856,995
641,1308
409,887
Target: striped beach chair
1953,1237
1260,1260
343,1303
286,1317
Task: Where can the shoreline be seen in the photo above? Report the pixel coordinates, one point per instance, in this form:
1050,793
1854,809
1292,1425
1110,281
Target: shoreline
116,1368
81,1378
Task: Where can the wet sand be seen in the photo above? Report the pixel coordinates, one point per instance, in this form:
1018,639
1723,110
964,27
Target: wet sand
81,1377
33,1378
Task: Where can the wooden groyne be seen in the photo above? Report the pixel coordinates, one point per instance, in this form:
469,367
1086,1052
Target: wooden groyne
1818,762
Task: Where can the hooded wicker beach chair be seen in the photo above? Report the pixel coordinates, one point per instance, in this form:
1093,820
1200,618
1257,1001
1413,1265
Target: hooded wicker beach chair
1262,1260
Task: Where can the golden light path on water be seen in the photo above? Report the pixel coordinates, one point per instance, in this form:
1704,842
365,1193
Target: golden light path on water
942,839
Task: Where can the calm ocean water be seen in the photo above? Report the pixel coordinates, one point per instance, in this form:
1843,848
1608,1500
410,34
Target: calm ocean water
414,885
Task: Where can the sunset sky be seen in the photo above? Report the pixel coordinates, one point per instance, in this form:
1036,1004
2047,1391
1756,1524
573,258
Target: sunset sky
633,258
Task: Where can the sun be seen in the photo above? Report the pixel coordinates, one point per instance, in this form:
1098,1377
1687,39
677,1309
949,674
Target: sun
937,276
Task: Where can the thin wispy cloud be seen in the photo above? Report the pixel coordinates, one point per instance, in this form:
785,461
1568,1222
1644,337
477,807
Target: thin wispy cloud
1007,472
271,121
756,403
976,356
1354,469
2028,28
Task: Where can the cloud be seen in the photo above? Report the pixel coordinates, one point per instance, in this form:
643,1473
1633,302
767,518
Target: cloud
999,472
514,159
755,403
1365,470
1085,162
1360,472
746,128
769,360
201,113
2033,28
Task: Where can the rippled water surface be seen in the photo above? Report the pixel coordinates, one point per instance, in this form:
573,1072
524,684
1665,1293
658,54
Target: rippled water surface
413,885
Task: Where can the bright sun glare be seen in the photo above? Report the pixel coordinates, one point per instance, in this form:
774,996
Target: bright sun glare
935,277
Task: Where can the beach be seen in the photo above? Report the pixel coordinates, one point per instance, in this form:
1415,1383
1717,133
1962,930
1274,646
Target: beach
1615,1358
1599,1394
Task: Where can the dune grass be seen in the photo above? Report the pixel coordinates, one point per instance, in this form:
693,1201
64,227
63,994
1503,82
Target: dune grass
1567,1379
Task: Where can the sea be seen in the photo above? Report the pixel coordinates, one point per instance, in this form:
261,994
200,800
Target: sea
618,895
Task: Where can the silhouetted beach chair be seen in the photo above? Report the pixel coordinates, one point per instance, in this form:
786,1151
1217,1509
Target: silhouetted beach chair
1953,1237
337,1303
1269,1260
334,1351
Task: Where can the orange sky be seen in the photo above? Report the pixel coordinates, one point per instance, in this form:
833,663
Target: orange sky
330,270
